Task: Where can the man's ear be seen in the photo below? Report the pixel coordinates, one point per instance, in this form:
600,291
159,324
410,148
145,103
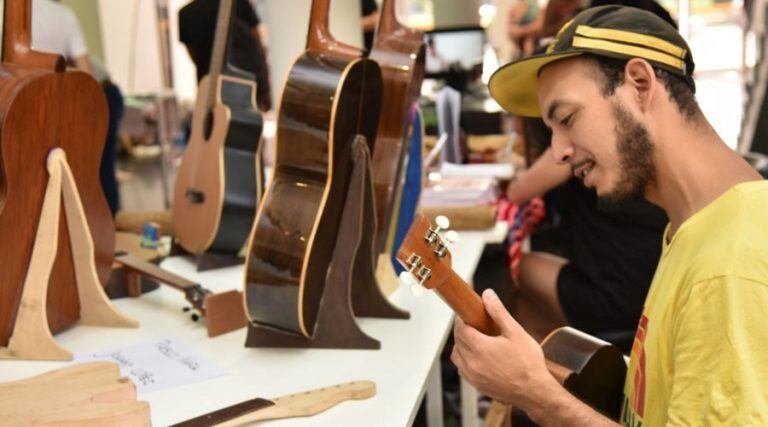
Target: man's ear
639,74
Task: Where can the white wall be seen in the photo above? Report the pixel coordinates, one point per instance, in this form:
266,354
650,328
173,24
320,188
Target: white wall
287,20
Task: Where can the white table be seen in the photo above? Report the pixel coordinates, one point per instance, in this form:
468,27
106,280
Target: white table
400,369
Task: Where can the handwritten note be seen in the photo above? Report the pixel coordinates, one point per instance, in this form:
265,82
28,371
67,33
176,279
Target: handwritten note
158,364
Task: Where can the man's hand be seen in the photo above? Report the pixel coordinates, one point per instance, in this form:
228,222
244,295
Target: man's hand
511,369
506,367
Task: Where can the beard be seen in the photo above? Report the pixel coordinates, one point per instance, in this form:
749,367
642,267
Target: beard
635,151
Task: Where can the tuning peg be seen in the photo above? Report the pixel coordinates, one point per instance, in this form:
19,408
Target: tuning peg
407,279
452,236
417,289
442,223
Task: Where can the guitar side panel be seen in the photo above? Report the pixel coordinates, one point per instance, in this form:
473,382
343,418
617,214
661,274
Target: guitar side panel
242,171
401,57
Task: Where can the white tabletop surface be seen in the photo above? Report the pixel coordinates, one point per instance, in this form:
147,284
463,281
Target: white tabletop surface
399,368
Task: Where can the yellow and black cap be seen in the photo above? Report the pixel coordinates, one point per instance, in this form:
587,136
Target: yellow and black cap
613,31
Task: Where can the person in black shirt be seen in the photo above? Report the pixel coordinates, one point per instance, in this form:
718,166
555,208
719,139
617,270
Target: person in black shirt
370,13
197,27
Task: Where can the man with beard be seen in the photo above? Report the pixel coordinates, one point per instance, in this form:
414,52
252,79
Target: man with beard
616,88
597,279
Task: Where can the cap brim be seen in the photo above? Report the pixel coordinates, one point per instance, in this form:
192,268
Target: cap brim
515,85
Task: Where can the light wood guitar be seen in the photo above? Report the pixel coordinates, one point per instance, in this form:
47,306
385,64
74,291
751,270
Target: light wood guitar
220,178
592,369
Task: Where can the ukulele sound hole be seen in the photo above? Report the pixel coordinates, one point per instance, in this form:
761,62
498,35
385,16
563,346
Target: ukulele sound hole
208,124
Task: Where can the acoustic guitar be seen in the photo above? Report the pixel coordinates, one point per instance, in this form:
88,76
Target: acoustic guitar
43,107
399,51
331,97
592,369
220,178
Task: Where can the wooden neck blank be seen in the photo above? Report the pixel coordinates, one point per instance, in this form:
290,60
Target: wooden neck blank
17,39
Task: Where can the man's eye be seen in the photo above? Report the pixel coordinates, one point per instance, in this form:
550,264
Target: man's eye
566,121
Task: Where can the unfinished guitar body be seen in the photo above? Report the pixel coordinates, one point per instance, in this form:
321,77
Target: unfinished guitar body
89,394
42,107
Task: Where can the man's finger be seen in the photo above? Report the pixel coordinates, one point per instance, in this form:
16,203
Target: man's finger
500,315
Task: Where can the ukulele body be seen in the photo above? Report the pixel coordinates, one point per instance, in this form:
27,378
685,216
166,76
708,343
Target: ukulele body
220,178
327,101
41,110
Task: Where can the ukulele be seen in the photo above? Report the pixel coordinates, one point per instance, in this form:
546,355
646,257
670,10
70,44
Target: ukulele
220,178
331,97
591,369
43,107
223,311
399,50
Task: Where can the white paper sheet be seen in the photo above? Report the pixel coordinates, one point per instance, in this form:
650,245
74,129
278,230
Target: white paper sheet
157,364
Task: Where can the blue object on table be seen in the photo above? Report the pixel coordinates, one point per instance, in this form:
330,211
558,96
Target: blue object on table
412,187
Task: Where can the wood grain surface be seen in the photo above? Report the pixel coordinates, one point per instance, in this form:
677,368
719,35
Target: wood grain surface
40,109
399,51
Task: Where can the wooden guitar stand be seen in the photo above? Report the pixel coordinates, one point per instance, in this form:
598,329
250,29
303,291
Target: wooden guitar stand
351,287
31,338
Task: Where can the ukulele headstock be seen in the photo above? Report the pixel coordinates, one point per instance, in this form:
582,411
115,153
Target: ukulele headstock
424,253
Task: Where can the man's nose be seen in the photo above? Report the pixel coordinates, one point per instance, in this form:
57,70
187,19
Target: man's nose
562,149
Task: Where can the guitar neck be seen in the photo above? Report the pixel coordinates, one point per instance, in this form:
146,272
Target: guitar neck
388,22
17,36
467,304
164,42
219,52
319,37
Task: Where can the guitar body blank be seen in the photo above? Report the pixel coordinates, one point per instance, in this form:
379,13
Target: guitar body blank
220,178
41,110
327,100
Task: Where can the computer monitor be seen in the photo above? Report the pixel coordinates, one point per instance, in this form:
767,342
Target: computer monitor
446,46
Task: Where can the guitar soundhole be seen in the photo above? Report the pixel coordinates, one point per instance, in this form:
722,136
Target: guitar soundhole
208,124
195,196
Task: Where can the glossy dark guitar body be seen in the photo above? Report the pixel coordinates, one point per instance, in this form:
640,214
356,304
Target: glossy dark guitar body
327,100
399,51
41,110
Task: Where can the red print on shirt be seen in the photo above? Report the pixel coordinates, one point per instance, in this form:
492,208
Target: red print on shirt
638,348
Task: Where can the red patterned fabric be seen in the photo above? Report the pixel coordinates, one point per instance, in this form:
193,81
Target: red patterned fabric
522,220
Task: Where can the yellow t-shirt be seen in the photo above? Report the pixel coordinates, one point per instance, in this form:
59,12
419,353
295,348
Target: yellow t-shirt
700,355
